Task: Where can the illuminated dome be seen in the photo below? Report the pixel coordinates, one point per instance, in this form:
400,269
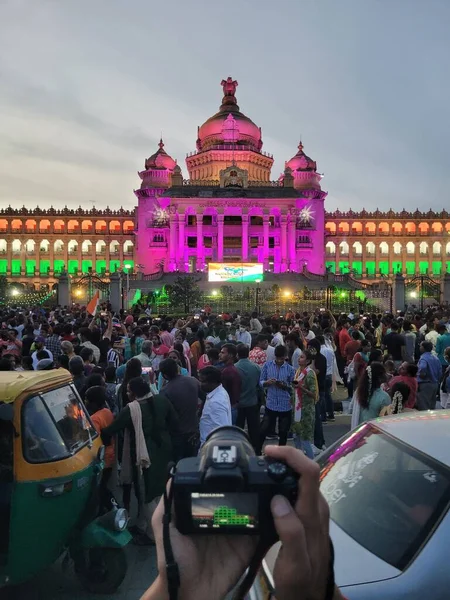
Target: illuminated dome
301,162
160,160
229,126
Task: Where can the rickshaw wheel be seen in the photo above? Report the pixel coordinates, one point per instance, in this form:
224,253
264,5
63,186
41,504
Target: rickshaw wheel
103,571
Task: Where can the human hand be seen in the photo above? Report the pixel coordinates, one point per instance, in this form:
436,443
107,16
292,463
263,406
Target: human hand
210,566
301,568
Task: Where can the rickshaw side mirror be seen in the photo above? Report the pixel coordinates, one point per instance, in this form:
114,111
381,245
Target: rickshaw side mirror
6,412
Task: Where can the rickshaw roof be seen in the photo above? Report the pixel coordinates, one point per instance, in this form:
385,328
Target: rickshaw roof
14,383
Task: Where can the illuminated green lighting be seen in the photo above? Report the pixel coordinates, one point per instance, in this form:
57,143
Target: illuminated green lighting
3,266
72,267
44,267
100,267
58,266
357,267
16,267
344,267
30,267
86,265
423,267
371,267
383,267
331,266
436,267
410,267
114,266
397,267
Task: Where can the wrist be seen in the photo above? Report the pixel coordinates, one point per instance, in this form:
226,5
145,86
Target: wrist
157,591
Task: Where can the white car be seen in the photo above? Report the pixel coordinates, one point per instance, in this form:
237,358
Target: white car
388,487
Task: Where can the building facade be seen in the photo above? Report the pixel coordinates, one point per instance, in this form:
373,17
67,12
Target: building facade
227,210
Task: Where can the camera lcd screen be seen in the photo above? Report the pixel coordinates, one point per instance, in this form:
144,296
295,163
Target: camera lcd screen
227,510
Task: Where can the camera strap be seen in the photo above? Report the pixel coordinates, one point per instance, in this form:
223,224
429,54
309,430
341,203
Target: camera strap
172,570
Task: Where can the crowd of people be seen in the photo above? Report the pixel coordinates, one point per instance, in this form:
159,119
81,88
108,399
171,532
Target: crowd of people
157,386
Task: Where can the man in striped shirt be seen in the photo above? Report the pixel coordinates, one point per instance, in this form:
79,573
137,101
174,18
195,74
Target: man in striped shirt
276,377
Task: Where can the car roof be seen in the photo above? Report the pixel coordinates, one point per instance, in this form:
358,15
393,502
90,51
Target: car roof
14,383
427,431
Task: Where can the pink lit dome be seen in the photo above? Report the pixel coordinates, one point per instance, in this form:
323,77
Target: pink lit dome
160,160
301,162
229,125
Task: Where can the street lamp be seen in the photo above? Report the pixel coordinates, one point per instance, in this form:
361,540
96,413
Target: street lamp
258,291
15,292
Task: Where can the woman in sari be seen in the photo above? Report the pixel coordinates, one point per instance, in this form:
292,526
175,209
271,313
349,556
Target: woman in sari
307,394
181,370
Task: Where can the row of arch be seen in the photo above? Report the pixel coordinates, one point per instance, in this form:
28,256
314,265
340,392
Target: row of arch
72,225
72,246
372,228
384,247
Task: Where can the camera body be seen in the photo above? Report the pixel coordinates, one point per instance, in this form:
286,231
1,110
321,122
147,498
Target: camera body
227,489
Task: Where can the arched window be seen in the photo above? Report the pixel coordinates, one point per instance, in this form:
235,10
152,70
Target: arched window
58,226
16,225
447,228
3,225
396,227
357,227
114,247
16,247
410,228
383,228
357,248
86,247
397,248
370,228
114,227
44,246
343,227
44,226
3,246
447,249
370,248
384,249
30,226
72,247
86,226
423,248
100,247
437,228
30,246
72,226
437,247
100,226
410,248
128,247
330,248
330,228
58,247
128,226
424,228
344,248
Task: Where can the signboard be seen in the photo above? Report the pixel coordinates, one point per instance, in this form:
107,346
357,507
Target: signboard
237,272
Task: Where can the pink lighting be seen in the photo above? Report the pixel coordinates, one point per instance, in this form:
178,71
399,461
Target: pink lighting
230,211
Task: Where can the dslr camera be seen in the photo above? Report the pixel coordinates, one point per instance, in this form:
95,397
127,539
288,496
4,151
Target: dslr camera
227,488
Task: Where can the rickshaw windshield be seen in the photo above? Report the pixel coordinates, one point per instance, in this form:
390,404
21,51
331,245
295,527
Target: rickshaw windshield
56,425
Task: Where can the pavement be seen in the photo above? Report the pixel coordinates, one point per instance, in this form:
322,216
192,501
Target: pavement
56,584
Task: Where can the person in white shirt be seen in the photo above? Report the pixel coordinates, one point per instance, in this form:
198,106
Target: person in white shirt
330,358
243,336
255,323
217,407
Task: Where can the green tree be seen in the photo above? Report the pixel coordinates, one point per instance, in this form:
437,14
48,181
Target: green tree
185,292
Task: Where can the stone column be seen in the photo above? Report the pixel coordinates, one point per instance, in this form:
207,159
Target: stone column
64,289
399,292
283,257
51,254
115,292
292,254
220,219
266,241
173,242
200,243
244,238
107,254
181,244
9,242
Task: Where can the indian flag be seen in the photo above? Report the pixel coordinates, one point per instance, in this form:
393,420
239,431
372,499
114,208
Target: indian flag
91,308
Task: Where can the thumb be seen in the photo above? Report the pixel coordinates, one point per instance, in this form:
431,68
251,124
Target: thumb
287,524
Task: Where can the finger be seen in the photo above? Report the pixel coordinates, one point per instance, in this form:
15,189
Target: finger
290,530
308,498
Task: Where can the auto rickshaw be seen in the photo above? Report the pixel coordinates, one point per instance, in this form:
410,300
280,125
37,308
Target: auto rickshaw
51,460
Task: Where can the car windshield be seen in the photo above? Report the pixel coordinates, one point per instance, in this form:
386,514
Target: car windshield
384,494
56,425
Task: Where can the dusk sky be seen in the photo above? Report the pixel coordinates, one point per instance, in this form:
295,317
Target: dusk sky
86,87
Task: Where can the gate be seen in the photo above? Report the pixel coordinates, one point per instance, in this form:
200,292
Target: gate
422,291
84,288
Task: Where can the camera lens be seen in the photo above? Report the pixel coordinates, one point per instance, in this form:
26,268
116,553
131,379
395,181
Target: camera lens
229,433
